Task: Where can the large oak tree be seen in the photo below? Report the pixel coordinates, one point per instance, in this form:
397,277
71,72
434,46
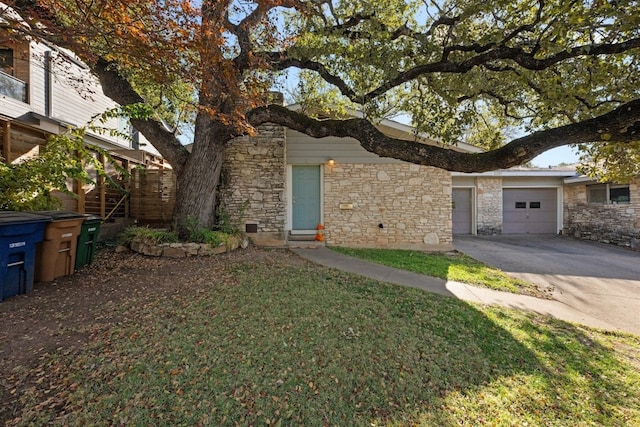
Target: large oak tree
559,72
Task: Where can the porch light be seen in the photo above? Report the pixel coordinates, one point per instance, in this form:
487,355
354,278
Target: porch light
331,162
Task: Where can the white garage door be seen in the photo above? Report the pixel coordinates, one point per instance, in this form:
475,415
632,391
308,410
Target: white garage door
530,210
461,210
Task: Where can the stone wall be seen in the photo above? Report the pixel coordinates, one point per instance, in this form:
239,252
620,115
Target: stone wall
489,205
393,206
254,183
608,223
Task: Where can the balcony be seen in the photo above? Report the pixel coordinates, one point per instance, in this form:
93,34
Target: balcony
12,87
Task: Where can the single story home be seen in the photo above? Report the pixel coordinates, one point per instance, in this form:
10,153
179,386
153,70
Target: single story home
280,184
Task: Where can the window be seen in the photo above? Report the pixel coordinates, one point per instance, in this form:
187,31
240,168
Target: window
521,205
534,205
619,193
608,193
10,85
6,61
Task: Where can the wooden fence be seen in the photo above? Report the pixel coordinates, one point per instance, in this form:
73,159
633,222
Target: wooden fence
152,195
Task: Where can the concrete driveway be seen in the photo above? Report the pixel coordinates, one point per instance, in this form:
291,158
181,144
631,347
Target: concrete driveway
602,281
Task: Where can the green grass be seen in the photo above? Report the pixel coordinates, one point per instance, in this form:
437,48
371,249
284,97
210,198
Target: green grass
448,266
268,343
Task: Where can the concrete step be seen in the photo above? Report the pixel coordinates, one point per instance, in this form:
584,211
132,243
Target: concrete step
304,244
303,241
301,237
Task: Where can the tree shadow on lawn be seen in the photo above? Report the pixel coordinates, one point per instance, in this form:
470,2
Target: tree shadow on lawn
304,345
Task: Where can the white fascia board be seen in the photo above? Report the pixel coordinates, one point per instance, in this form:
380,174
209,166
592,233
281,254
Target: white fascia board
579,179
519,173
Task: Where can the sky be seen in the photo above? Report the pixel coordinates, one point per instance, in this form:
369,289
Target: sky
564,154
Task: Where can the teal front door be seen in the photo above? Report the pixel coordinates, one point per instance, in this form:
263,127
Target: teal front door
306,197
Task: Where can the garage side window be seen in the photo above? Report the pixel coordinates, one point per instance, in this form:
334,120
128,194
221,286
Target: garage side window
608,193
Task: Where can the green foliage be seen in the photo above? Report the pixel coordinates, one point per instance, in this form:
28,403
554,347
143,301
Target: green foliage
195,232
369,44
28,184
611,162
227,225
152,235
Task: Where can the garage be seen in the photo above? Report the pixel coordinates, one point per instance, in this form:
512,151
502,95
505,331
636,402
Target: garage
530,210
462,211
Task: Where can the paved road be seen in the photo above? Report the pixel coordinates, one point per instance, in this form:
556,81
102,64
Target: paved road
602,281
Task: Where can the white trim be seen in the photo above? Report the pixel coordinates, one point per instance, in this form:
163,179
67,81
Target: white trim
582,179
519,173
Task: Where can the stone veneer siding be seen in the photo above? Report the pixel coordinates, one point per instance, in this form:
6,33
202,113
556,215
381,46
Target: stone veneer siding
254,182
613,223
412,202
489,205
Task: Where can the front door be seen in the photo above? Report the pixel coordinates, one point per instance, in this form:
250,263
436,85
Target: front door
305,197
462,212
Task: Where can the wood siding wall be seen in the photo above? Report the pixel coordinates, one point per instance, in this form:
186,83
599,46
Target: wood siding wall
302,149
153,194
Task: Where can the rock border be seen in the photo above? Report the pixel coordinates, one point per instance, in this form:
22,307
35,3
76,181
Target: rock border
148,247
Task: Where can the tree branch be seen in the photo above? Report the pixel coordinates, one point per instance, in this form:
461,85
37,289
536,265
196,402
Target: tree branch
282,62
120,90
619,125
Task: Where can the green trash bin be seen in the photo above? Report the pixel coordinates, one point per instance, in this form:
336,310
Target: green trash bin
87,240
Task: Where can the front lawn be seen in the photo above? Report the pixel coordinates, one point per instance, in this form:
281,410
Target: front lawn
269,339
448,266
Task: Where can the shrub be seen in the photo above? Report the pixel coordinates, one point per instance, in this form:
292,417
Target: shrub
154,235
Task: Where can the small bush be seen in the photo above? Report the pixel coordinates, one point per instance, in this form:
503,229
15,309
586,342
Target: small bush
155,235
192,232
199,234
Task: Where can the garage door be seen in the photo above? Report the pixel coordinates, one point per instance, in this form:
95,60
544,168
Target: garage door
530,210
462,210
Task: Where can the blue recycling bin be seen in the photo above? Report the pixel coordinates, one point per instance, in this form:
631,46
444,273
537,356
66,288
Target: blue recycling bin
20,232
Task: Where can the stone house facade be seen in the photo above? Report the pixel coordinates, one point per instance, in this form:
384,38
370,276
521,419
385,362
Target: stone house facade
547,201
614,218
280,184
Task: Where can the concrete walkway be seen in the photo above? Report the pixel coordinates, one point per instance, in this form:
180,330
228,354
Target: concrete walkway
329,258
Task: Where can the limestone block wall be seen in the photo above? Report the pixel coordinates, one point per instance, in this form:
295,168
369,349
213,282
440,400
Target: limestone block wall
608,223
489,205
411,202
254,182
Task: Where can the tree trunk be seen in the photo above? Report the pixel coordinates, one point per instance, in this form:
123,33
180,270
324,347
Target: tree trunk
197,184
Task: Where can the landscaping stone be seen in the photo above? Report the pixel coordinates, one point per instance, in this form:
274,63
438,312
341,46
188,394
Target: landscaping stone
182,250
174,252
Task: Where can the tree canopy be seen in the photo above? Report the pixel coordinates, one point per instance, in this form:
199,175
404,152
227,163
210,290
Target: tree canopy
554,72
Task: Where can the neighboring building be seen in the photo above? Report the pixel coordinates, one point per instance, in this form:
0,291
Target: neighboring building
44,90
546,201
608,213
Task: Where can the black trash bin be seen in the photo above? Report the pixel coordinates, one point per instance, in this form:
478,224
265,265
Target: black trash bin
20,232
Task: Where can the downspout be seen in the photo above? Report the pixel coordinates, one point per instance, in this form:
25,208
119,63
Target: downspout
48,86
